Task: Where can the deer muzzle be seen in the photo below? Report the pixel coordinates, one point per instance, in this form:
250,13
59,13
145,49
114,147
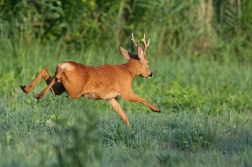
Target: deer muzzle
150,75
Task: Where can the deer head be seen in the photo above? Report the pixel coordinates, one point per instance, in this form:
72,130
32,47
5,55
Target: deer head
140,60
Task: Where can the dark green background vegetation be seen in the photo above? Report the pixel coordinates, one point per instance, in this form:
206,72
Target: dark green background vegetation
200,53
194,27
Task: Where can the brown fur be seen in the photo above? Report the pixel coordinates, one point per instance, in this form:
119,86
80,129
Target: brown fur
106,82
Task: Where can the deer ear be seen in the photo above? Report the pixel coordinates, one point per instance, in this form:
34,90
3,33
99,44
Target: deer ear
140,53
127,55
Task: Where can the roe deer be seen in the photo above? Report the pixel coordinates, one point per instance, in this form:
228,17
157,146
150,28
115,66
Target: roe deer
106,82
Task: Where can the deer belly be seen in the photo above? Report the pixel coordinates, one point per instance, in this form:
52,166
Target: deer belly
104,96
91,96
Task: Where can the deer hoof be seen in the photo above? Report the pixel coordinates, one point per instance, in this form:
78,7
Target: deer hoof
38,96
23,87
156,110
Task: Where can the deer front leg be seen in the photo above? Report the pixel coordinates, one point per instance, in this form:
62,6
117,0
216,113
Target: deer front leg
132,97
116,106
43,74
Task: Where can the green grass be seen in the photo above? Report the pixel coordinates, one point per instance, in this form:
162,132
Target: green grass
205,119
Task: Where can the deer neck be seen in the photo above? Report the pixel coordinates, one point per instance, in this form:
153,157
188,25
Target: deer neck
132,66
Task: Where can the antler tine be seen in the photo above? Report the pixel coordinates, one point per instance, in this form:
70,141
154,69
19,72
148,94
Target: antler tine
144,41
133,39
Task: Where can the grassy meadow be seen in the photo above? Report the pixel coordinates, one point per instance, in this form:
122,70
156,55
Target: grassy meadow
205,119
201,57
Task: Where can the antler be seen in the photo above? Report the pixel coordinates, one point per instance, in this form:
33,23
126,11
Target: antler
133,39
145,45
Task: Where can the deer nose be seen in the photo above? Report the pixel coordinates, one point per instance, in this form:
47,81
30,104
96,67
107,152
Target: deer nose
150,74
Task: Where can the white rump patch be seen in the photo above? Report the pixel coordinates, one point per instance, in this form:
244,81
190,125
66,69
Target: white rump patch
64,66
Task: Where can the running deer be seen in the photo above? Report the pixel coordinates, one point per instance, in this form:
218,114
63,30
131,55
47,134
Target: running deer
106,82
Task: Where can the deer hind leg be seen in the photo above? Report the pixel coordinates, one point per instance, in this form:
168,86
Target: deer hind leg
53,85
116,106
57,89
43,74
